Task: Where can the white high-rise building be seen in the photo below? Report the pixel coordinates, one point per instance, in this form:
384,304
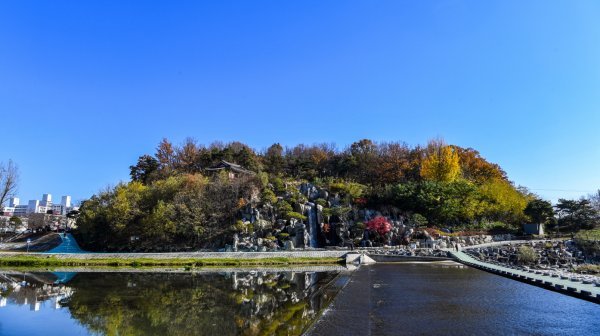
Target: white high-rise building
46,200
66,201
33,206
36,206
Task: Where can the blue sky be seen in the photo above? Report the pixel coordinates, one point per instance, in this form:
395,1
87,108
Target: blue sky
88,86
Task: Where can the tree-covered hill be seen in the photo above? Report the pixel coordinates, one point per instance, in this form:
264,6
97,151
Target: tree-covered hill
194,196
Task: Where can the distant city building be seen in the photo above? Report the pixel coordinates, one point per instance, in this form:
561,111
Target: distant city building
33,206
46,200
13,202
13,208
45,206
20,210
65,201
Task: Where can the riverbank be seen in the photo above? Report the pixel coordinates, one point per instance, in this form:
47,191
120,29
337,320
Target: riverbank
189,261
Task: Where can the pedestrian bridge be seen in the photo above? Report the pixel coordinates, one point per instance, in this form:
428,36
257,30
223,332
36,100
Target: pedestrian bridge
588,292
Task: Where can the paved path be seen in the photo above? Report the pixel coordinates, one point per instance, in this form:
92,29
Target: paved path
509,242
585,291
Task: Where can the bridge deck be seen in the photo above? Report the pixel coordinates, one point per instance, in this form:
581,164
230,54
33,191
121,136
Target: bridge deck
584,291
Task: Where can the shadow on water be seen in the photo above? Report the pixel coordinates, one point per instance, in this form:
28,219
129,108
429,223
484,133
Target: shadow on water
131,303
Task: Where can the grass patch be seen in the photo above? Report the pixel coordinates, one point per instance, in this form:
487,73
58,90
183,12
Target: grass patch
43,261
589,241
592,235
588,269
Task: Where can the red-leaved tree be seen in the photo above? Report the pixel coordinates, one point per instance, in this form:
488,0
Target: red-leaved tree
380,225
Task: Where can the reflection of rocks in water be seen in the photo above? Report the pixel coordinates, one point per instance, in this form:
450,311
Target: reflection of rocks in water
32,289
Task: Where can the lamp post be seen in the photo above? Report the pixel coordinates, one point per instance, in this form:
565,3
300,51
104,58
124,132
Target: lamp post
28,242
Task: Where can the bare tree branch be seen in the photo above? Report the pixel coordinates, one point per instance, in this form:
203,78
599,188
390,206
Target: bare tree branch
9,179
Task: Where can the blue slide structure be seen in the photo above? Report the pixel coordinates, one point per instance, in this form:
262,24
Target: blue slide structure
68,245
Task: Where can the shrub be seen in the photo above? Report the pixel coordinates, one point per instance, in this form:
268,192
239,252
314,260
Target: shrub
239,226
526,255
322,202
278,184
360,225
298,216
268,196
380,225
350,189
283,207
418,220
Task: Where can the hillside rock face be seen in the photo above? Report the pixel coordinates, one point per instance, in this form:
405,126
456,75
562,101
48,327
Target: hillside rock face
318,218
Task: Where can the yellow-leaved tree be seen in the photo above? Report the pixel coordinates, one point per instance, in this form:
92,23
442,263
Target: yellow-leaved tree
441,162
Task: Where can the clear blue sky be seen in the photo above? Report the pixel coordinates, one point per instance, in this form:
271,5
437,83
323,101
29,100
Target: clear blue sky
88,86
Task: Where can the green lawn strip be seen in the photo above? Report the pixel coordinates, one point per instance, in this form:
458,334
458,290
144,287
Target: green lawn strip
591,235
34,261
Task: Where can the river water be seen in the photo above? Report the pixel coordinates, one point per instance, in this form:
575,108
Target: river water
134,303
451,299
383,299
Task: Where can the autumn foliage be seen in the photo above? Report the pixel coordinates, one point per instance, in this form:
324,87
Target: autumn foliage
441,164
380,225
175,201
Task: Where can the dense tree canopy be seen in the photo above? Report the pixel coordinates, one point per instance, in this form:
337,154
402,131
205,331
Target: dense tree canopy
577,214
539,211
181,211
174,200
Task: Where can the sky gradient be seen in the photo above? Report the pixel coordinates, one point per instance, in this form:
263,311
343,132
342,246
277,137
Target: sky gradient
87,87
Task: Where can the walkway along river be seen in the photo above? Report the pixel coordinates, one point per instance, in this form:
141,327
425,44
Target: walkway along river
588,292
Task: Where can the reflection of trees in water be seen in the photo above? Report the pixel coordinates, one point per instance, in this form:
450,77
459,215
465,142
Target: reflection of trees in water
32,289
240,303
277,303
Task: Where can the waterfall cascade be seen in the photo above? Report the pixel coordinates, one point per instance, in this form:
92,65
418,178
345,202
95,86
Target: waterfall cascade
311,214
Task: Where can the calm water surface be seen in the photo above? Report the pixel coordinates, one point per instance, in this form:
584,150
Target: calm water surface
438,299
383,299
228,303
